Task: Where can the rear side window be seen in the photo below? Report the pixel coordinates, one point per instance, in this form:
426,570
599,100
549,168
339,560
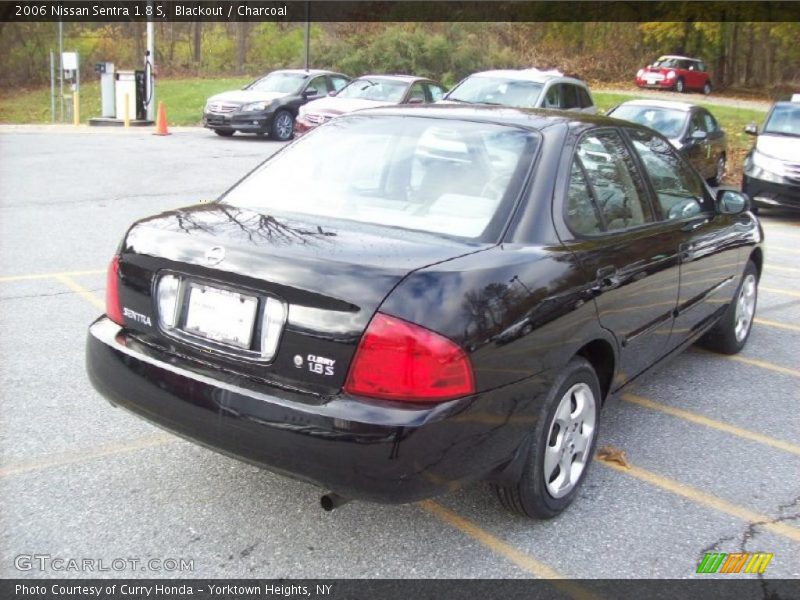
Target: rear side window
613,180
678,189
583,216
338,82
435,93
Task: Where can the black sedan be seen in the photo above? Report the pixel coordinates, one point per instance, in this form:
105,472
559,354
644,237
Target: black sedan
449,296
690,128
269,105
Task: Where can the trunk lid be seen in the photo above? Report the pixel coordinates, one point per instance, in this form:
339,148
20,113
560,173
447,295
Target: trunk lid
331,279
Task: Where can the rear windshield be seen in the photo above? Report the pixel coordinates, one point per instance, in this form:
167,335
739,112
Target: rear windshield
449,177
497,90
382,90
667,121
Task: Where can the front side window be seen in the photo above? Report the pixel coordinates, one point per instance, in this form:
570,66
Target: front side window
417,94
318,85
614,180
497,90
679,190
711,123
585,98
423,174
569,97
697,123
552,99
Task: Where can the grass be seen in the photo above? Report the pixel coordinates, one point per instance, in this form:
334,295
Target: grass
184,100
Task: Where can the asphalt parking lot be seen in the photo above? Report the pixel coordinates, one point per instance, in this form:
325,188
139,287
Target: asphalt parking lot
712,442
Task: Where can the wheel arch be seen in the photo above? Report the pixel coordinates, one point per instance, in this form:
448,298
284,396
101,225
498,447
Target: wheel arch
600,353
757,256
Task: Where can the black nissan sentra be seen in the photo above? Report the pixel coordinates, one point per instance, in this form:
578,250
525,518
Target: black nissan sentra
409,299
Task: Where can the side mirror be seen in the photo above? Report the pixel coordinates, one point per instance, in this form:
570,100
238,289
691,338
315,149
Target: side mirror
732,202
333,93
416,101
751,129
309,93
698,135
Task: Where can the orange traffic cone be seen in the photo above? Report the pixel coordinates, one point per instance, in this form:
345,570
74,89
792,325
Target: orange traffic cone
161,120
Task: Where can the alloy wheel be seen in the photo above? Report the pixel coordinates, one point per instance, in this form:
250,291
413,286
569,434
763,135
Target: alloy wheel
745,307
569,440
283,126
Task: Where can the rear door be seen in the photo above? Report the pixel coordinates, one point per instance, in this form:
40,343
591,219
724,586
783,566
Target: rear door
705,240
629,259
698,151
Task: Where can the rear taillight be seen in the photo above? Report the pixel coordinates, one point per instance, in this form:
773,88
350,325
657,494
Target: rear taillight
113,309
397,360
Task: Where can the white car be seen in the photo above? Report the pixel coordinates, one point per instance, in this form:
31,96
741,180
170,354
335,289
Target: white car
524,88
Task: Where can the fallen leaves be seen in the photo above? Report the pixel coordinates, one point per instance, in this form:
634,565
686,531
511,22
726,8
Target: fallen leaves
612,454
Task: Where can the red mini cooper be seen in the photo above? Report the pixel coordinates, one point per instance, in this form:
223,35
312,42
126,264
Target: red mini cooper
677,73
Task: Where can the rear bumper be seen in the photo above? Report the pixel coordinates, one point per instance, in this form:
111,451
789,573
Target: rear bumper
768,193
355,448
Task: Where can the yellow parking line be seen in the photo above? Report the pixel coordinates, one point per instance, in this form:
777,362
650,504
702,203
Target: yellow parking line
498,546
772,267
32,276
68,458
695,495
81,291
762,364
713,424
769,323
762,288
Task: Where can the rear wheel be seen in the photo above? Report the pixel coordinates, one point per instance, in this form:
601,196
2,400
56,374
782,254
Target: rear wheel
224,132
282,126
679,86
730,334
561,448
707,88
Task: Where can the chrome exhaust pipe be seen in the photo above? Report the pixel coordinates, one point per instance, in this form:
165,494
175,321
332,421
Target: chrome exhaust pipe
330,501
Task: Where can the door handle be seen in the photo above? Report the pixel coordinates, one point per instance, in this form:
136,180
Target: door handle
695,224
606,279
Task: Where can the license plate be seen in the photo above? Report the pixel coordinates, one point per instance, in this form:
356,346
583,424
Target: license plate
222,316
650,81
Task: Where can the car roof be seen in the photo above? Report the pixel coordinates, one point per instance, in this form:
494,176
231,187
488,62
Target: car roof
673,104
305,72
407,78
532,74
678,57
530,118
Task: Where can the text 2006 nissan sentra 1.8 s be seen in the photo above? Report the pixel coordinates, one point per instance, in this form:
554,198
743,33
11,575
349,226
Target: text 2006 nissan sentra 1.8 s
409,299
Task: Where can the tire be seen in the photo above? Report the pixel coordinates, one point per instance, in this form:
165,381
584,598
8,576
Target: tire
719,171
282,128
679,86
707,88
731,332
225,132
575,394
